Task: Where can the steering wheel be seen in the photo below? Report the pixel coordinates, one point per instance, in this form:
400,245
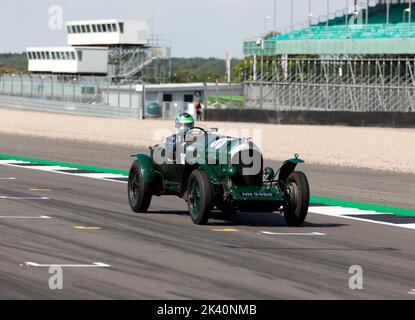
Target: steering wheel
195,128
199,128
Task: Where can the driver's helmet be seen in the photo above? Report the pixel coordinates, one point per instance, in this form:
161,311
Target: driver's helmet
184,122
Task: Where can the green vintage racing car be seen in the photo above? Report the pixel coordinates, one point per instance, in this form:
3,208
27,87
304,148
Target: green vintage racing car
211,171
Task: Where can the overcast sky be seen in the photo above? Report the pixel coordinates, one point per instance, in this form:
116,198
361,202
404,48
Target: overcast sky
203,28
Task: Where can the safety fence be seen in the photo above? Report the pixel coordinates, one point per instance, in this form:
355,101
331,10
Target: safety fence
100,110
53,87
343,84
106,96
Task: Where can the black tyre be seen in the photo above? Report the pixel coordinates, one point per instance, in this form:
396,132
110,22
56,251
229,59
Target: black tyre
200,200
298,199
139,192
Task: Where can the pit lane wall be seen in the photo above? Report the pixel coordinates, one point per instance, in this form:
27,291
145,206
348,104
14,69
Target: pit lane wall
362,119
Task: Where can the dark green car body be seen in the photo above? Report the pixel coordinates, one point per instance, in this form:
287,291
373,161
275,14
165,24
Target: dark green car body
222,161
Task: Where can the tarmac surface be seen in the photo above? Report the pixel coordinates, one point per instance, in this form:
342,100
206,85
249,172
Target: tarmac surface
55,219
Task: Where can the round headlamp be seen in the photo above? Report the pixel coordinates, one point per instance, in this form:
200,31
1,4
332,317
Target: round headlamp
269,173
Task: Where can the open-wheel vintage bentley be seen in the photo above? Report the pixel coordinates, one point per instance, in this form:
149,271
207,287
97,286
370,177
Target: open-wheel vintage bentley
210,171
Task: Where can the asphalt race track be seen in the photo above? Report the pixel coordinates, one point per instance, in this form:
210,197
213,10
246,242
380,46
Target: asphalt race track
86,224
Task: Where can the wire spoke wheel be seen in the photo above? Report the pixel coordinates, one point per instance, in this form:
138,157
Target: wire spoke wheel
135,186
200,201
297,199
194,199
139,192
292,191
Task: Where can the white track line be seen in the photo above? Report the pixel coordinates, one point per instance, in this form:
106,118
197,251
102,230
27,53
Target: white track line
20,217
12,161
57,169
293,233
337,213
11,178
99,175
96,176
407,225
44,168
24,198
94,265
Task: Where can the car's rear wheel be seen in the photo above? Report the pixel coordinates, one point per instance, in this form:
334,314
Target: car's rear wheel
139,192
298,199
200,201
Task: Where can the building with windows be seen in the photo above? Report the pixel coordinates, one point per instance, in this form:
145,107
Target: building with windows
108,33
173,98
121,49
61,60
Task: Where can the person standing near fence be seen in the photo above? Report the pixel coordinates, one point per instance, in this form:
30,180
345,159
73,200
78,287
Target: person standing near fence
198,109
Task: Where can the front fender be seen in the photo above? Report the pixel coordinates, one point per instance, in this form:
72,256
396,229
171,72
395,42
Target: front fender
147,167
288,167
212,174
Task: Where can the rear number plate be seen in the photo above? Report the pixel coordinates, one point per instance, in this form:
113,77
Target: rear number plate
257,194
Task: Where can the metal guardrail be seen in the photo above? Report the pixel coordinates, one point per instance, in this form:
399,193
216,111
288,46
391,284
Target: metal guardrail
100,110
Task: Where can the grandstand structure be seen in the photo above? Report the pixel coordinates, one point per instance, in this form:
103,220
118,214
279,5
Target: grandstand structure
120,49
359,59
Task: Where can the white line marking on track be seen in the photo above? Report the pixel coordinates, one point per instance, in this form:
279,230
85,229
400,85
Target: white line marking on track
12,161
412,291
47,168
99,175
336,211
93,265
403,225
20,217
293,233
406,225
24,198
56,169
10,178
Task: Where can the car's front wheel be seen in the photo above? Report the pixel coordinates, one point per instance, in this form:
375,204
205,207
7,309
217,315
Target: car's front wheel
200,201
298,199
139,192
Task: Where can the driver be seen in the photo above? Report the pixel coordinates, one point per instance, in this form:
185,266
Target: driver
184,123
